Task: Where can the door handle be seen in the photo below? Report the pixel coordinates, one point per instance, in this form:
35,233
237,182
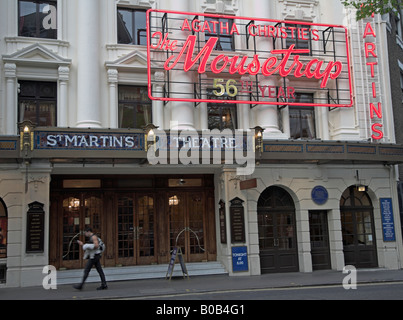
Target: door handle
136,231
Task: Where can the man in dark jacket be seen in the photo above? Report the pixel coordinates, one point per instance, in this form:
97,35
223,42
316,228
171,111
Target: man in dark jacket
93,252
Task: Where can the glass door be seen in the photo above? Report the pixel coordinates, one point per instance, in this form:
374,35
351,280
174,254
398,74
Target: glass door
80,211
320,245
135,230
186,212
277,232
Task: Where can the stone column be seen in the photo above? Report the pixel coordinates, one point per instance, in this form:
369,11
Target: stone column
113,99
10,70
62,114
88,64
181,112
266,115
324,117
158,106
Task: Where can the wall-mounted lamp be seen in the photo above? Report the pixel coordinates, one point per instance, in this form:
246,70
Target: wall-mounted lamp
362,188
258,141
26,129
150,137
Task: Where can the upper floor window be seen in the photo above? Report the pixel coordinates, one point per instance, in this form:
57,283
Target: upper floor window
35,19
135,108
300,37
221,28
38,103
132,26
221,115
302,119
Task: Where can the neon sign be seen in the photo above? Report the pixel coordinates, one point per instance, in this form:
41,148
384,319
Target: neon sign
263,61
371,56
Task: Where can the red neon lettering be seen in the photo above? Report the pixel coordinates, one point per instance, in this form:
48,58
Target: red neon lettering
292,31
214,63
189,63
315,34
196,25
378,110
214,22
234,29
369,31
372,64
238,65
224,26
379,132
254,67
373,89
290,92
186,25
369,50
206,27
240,68
250,30
268,65
164,42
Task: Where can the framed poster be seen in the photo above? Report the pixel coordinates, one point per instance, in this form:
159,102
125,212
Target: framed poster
388,222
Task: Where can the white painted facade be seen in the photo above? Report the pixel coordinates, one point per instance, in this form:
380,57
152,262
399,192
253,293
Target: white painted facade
88,65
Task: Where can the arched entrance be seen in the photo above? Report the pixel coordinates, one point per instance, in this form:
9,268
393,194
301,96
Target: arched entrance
277,232
3,230
358,229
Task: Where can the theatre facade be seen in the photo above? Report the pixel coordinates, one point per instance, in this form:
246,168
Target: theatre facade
255,134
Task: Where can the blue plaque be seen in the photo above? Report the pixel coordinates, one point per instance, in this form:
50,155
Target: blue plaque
240,259
319,195
388,222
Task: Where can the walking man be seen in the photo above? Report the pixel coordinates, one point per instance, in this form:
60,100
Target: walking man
93,251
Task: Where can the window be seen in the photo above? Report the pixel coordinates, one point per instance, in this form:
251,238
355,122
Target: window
38,103
221,28
302,119
401,82
398,21
222,116
132,26
134,107
35,19
294,37
3,230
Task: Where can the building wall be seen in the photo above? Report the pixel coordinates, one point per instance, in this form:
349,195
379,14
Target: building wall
88,65
298,181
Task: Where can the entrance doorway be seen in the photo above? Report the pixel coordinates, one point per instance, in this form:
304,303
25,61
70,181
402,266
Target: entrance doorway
140,219
135,243
358,229
79,211
187,224
277,232
319,233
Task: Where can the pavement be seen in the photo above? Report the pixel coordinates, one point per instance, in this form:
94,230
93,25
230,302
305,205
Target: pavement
179,287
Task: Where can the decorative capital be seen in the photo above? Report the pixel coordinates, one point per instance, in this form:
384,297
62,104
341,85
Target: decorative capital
64,73
10,70
113,75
